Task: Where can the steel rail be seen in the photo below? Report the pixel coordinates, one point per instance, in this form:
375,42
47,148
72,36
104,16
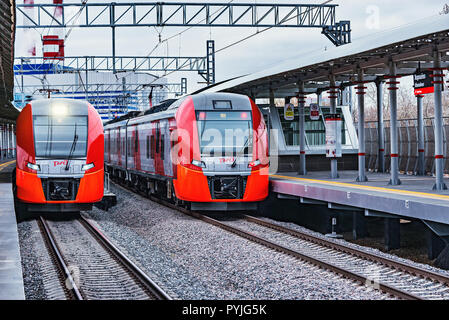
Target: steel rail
74,290
149,284
320,263
400,266
271,245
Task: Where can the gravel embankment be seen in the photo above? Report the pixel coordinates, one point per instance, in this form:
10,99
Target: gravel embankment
194,260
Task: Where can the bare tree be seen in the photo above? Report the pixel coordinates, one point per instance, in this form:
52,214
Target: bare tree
407,104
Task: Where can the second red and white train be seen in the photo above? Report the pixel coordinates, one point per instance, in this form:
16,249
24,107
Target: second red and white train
208,151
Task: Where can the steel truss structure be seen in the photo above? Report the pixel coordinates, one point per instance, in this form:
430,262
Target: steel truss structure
149,14
103,88
37,65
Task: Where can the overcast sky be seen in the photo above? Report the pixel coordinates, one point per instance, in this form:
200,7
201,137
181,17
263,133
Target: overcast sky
262,51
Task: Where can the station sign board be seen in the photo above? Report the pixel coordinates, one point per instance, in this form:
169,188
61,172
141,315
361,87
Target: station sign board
289,112
423,83
333,136
314,112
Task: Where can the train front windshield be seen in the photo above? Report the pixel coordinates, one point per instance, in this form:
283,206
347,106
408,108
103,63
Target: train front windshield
225,133
60,137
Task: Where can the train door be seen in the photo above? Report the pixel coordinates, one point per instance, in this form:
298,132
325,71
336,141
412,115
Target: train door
136,143
173,154
119,148
165,141
149,138
123,147
116,156
159,150
130,131
108,147
129,153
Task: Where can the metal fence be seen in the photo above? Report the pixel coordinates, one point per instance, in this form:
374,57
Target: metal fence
408,145
7,141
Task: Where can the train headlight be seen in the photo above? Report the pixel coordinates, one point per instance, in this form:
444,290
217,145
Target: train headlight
33,166
253,164
198,163
59,109
87,166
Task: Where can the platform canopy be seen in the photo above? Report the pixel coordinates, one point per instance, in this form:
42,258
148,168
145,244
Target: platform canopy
410,46
7,36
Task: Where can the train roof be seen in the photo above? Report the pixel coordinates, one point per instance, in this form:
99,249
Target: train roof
129,115
161,107
168,108
69,106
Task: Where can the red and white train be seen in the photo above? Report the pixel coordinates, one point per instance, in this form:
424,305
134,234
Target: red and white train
207,151
60,149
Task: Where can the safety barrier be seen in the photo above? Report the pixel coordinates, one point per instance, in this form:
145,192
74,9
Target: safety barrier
408,145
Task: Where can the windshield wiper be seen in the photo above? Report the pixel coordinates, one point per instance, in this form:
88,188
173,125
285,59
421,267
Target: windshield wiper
240,152
72,150
48,145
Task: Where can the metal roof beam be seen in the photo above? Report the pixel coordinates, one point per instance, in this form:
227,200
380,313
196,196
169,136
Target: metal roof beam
101,88
29,65
160,14
342,69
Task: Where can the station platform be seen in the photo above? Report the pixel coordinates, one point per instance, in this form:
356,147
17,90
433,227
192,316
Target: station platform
414,198
11,280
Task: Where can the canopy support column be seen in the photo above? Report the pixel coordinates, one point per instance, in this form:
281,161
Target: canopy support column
361,101
9,141
302,129
380,127
438,75
333,96
393,87
421,160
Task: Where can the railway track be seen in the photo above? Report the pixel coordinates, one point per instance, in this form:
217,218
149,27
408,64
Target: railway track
366,268
91,267
391,276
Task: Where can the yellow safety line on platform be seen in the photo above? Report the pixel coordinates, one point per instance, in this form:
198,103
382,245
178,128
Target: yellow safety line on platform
343,184
3,165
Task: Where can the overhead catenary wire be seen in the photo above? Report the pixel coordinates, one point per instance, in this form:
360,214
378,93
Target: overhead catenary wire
240,40
181,32
75,17
166,40
261,31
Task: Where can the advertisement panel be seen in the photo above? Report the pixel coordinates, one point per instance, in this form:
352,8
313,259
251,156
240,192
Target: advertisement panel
333,136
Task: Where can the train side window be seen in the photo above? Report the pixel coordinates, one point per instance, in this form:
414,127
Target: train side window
107,142
148,147
162,146
158,136
152,146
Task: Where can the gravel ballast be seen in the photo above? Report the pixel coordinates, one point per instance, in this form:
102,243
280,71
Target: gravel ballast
40,276
353,245
191,259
